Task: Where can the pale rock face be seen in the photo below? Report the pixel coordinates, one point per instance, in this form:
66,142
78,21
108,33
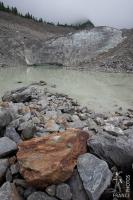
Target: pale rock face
80,47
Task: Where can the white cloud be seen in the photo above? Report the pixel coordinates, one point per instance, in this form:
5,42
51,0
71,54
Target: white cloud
116,13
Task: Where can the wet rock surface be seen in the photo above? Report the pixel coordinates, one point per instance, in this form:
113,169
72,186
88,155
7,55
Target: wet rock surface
43,145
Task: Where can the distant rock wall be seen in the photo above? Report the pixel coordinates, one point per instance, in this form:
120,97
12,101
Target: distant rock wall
74,48
23,42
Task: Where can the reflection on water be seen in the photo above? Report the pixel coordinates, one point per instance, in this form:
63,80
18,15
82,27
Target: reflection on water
97,90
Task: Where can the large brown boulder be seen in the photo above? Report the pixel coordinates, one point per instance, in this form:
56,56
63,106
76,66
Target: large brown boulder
51,159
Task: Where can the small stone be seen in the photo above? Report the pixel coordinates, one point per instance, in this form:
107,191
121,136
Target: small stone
63,192
8,175
128,122
20,182
42,83
95,175
28,132
76,186
5,118
99,121
13,135
7,146
91,124
75,118
51,190
40,196
14,169
51,126
77,124
53,86
36,120
3,167
29,191
43,102
8,191
113,130
83,116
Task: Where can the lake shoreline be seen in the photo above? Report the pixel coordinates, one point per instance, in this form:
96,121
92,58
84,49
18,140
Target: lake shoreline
99,91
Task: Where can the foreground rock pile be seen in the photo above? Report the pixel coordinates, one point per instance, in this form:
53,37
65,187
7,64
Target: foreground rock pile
51,148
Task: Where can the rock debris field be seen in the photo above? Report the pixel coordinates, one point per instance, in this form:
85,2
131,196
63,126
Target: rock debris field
51,148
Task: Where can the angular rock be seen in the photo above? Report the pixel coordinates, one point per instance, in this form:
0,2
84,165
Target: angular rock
113,130
77,189
13,135
51,159
5,118
8,192
63,192
114,150
40,196
3,167
7,146
95,175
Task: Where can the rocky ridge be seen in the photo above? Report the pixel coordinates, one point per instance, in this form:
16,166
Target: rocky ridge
51,148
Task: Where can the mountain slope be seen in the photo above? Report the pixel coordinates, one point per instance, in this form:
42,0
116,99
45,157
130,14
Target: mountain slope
25,42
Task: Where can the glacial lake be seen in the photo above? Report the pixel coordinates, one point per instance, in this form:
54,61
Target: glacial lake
99,91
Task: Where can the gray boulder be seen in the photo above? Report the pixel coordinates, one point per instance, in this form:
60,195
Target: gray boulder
23,94
95,175
5,118
3,167
76,186
114,150
13,135
40,196
63,192
8,192
7,146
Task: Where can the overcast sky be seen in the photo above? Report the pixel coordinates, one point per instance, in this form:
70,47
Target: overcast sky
115,13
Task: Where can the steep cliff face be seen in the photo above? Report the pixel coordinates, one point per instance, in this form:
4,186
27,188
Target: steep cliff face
24,42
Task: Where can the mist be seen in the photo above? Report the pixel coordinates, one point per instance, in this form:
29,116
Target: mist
114,13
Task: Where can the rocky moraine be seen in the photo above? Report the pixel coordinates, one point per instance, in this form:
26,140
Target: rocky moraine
51,148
